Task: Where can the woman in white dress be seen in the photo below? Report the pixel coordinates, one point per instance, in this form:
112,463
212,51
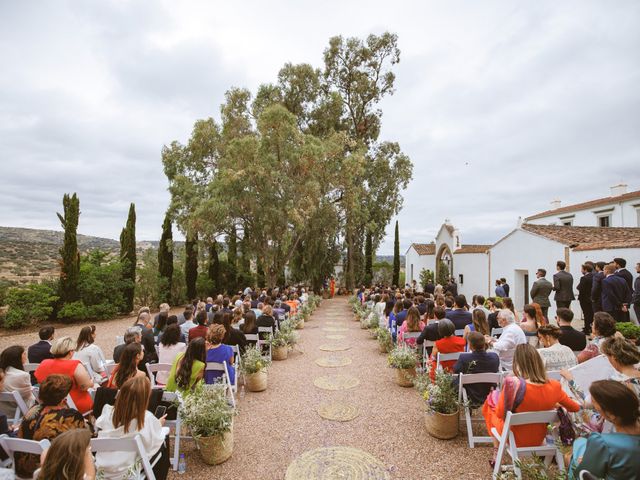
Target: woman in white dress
91,354
12,360
170,346
555,356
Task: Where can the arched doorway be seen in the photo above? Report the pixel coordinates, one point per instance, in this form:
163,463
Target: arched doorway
444,264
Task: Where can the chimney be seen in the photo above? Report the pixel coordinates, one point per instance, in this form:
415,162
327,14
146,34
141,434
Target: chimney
619,189
555,204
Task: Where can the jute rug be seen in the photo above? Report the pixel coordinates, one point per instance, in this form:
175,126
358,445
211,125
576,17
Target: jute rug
338,411
333,361
336,382
334,348
337,462
335,329
336,337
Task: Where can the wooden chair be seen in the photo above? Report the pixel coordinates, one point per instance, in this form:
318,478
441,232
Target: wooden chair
470,379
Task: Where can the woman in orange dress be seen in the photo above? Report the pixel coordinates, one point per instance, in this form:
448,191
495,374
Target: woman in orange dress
529,390
332,287
448,343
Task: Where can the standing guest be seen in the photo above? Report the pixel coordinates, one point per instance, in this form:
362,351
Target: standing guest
540,291
621,271
62,363
429,288
585,285
219,352
530,324
635,297
604,327
555,356
458,314
12,360
512,336
188,367
91,354
569,336
188,323
69,457
128,366
616,294
610,455
596,288
540,394
500,291
40,351
201,329
148,340
477,361
478,324
411,324
563,286
448,343
505,286
47,419
170,347
130,336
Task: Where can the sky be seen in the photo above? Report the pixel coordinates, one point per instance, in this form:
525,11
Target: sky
502,106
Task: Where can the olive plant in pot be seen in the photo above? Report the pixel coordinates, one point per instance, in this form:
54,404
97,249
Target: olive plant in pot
297,321
404,360
442,407
385,340
206,412
284,339
254,369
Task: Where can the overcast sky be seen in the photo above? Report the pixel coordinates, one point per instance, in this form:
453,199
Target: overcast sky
501,105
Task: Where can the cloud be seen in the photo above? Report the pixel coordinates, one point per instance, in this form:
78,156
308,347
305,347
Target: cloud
501,106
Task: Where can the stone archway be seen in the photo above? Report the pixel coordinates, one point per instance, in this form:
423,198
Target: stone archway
444,264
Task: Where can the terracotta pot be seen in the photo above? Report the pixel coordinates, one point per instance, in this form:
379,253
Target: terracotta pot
279,353
215,450
405,376
441,425
256,382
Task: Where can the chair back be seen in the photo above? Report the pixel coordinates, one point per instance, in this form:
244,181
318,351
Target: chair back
12,445
459,332
21,406
31,367
445,357
222,367
496,332
408,335
153,368
125,445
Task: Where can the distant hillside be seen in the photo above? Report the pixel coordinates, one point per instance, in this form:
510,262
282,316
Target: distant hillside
389,259
52,237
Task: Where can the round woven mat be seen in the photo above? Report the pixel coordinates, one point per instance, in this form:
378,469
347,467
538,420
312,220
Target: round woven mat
338,411
336,463
333,323
334,348
336,337
335,329
336,382
333,361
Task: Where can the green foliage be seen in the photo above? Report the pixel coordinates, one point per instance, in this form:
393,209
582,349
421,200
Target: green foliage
206,412
147,287
533,468
382,273
128,258
70,262
425,276
30,304
402,357
628,330
253,361
396,257
213,271
5,285
191,264
165,260
441,395
368,259
285,336
443,273
73,312
384,338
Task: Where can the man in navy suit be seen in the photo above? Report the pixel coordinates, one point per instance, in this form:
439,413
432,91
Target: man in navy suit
584,296
458,315
40,351
477,361
596,288
616,294
621,271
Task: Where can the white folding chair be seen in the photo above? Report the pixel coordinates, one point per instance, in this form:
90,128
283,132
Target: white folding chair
459,332
238,359
109,368
31,367
21,406
496,331
222,367
425,352
444,357
12,445
508,442
153,368
470,379
173,397
103,445
408,335
261,342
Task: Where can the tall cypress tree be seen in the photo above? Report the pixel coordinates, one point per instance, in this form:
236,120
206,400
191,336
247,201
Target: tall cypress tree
165,260
191,264
214,268
368,260
396,257
70,263
232,260
128,258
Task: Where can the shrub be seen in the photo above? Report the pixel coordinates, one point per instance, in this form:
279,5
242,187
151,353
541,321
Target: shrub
628,330
206,411
384,338
30,304
402,357
253,361
73,312
440,394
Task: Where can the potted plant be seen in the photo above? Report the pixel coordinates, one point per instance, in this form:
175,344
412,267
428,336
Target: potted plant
404,360
441,397
629,331
374,322
385,340
282,340
254,368
206,412
297,321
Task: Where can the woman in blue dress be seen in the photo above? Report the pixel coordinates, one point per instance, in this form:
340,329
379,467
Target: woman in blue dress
218,352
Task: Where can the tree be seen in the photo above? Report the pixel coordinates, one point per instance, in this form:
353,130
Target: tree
396,257
214,268
191,264
70,262
368,259
425,276
165,260
128,258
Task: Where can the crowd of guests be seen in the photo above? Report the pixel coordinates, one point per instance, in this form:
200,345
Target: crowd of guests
491,336
76,398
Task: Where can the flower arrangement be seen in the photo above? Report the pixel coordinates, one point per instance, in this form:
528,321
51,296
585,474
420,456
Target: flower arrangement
373,320
440,394
385,340
402,357
253,361
206,411
285,336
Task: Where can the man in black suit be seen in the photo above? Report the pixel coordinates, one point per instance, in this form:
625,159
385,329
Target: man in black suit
622,271
584,296
429,287
133,334
540,291
596,289
616,294
505,285
569,336
477,361
458,315
563,286
40,351
451,287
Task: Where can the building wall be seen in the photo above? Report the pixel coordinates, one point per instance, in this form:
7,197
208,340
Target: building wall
474,267
419,262
625,214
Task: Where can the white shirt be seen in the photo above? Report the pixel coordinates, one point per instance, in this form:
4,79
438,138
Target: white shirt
93,360
168,355
114,465
505,346
186,326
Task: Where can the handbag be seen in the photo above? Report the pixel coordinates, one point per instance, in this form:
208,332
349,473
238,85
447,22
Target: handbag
566,432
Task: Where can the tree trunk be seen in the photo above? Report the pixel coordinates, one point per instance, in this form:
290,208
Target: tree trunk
214,269
368,258
191,265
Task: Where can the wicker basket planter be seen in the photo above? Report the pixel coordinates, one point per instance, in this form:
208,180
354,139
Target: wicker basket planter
405,376
280,353
256,382
215,450
441,425
300,324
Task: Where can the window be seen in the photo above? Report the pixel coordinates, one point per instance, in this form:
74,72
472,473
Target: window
604,221
567,220
567,223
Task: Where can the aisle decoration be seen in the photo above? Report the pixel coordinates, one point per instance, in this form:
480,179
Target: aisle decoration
385,340
404,360
442,406
254,369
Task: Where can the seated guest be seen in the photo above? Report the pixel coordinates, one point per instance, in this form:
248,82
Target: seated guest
188,322
624,356
128,366
201,329
69,457
572,338
478,323
412,323
132,335
159,327
12,360
610,455
405,305
64,364
164,310
477,361
40,351
91,354
512,336
540,393
250,325
188,367
148,339
170,346
47,419
233,336
555,356
278,311
237,320
219,352
173,320
448,343
458,314
603,328
127,418
430,332
266,319
494,307
508,304
529,325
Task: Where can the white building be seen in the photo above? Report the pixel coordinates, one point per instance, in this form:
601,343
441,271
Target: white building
621,209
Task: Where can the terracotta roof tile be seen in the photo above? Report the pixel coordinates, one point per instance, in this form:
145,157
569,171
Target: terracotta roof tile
588,238
586,205
424,248
473,249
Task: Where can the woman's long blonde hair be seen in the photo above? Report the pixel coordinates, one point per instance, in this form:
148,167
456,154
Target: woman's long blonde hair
527,363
